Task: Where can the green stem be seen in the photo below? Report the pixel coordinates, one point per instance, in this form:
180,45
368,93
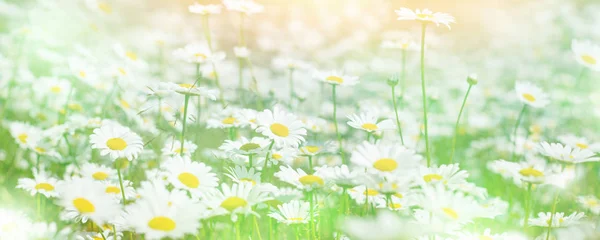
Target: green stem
512,158
250,161
291,80
424,93
310,221
527,207
310,164
264,169
185,110
257,228
403,77
121,183
396,111
552,216
457,122
337,131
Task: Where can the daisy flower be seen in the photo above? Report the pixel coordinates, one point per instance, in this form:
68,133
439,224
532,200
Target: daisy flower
590,203
384,158
558,220
173,148
195,177
337,78
343,176
586,54
194,90
97,172
14,225
245,146
113,189
531,171
282,127
566,154
300,179
241,52
241,174
208,9
293,212
41,183
284,154
156,216
226,118
449,205
24,134
86,199
116,141
403,44
361,194
449,175
310,149
425,16
579,142
531,95
239,198
368,122
198,53
247,7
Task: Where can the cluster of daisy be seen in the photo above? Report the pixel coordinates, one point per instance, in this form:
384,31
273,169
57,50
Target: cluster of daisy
222,121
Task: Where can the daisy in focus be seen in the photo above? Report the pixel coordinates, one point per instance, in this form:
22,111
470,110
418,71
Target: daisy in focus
293,212
116,141
425,16
41,183
282,127
368,122
586,53
531,95
337,78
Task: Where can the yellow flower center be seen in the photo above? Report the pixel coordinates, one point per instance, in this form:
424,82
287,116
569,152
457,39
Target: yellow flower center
131,55
312,149
112,189
280,130
178,150
249,147
296,219
336,79
55,89
83,205
528,97
116,144
40,149
531,172
232,203
424,16
369,126
431,177
82,74
75,106
592,203
229,120
311,180
124,103
277,156
189,180
248,180
122,71
186,85
582,145
385,165
371,192
100,175
395,205
164,224
200,55
105,7
44,186
23,137
588,59
399,195
451,213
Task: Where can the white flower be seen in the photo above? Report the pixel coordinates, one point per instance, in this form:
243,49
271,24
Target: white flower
566,154
160,214
300,178
41,183
590,203
337,78
292,212
385,225
385,158
173,147
194,90
558,220
86,199
97,172
368,122
195,177
586,53
247,7
198,53
241,52
531,95
239,198
246,146
282,127
425,15
117,142
208,9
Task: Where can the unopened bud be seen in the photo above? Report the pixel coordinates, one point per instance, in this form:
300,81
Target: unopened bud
472,79
393,80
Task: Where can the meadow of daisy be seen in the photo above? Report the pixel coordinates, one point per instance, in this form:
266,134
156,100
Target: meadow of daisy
299,119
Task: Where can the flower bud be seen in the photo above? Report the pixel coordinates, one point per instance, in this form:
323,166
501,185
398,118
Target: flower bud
472,79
